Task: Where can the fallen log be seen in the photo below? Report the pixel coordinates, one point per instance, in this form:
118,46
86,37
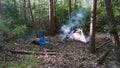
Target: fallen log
100,46
13,56
32,52
102,57
47,50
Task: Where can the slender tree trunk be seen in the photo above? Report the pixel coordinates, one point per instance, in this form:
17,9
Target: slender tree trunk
69,9
15,4
111,21
93,26
24,8
0,10
75,4
16,10
51,18
54,3
34,23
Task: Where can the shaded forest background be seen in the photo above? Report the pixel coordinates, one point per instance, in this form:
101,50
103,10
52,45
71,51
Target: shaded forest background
18,17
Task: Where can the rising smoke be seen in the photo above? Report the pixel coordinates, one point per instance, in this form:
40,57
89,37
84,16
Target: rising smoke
78,17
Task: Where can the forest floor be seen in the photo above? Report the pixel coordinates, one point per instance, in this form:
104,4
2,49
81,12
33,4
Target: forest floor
70,54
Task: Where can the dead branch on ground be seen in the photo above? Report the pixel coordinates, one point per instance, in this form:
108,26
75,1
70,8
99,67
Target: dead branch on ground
100,46
32,52
102,57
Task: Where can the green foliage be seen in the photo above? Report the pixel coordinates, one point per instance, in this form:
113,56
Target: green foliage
11,20
11,30
28,62
61,14
1,24
86,24
19,30
10,10
112,28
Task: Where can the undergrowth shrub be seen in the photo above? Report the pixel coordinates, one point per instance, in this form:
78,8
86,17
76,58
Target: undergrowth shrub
112,28
11,30
18,30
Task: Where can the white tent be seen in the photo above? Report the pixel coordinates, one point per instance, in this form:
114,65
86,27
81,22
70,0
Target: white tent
78,35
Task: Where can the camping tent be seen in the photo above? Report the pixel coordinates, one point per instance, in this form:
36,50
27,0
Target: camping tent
78,35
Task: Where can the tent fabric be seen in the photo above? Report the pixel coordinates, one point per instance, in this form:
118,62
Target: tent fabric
78,35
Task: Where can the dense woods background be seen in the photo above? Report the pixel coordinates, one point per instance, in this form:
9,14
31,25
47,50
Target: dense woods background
21,16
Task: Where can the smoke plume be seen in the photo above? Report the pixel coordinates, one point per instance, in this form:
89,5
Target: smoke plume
77,18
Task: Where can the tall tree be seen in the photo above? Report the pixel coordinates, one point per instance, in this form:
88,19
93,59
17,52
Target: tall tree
24,10
16,10
0,9
111,22
75,5
93,27
51,18
69,9
34,23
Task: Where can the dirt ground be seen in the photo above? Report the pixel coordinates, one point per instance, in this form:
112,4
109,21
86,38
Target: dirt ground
70,54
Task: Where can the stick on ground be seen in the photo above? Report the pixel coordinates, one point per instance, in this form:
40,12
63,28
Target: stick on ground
102,57
32,52
100,46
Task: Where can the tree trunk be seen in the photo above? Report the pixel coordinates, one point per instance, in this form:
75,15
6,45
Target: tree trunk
16,10
0,9
24,8
111,21
75,4
69,9
51,18
34,23
15,4
93,27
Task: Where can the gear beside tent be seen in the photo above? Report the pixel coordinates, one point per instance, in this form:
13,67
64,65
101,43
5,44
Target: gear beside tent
41,40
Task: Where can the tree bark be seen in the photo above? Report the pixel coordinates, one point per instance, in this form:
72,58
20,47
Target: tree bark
16,10
51,18
111,21
69,9
0,9
24,8
92,27
34,23
75,4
